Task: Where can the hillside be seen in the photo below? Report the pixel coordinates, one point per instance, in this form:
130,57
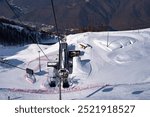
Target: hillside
13,32
117,14
119,71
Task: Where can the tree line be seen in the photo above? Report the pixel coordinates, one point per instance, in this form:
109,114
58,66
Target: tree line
12,33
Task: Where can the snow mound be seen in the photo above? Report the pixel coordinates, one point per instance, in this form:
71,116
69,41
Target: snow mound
130,55
115,43
81,67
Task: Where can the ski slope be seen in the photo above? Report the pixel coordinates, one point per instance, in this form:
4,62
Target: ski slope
112,65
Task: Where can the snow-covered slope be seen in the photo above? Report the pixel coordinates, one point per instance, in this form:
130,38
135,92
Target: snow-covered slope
112,65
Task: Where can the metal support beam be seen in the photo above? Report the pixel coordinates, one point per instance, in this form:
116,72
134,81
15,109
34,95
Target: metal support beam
60,95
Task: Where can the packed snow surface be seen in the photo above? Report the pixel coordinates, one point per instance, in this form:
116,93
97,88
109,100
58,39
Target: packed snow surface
112,65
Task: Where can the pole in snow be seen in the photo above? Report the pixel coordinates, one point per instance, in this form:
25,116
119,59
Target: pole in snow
107,38
39,62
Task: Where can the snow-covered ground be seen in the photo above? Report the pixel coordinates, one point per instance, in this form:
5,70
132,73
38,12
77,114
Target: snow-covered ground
113,65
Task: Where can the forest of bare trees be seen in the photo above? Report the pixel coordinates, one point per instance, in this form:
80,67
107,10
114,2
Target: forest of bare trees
12,33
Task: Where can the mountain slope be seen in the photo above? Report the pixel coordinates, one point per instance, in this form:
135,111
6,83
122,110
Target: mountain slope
118,14
119,71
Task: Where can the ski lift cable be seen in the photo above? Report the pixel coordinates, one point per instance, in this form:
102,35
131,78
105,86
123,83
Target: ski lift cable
30,35
40,47
55,20
13,10
3,62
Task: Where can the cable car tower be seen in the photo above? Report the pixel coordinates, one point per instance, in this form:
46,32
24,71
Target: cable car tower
61,68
